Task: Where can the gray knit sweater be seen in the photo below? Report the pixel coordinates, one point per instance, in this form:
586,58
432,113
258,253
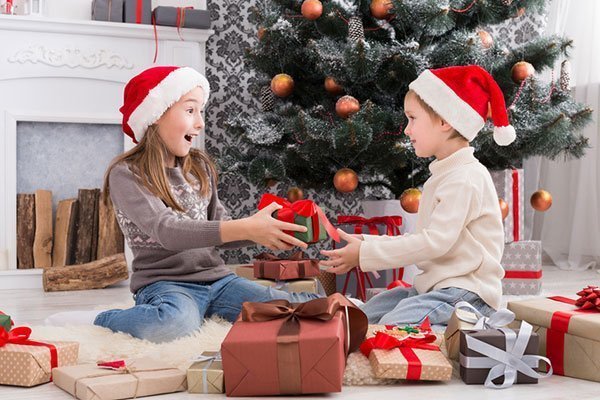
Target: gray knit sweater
166,244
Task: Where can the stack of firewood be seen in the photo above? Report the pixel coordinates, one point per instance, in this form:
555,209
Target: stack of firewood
85,234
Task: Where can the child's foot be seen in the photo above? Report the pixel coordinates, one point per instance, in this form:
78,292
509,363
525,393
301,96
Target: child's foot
72,318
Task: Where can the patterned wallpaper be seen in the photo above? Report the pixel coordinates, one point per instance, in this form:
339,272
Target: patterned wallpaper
229,80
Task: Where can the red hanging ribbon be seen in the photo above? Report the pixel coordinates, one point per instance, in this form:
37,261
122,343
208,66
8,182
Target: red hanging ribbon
304,208
180,21
522,274
515,187
20,335
138,11
384,341
555,334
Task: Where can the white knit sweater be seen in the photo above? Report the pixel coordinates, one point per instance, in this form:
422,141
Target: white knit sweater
459,238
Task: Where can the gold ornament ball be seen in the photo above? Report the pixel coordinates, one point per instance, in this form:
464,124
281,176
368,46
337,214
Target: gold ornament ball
503,208
332,86
311,9
541,200
295,194
346,106
487,40
380,9
409,200
282,85
261,33
345,180
521,70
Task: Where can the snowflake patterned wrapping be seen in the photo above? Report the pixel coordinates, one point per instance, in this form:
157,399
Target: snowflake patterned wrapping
522,263
23,365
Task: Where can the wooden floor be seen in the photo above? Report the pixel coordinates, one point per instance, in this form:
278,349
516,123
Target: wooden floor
32,306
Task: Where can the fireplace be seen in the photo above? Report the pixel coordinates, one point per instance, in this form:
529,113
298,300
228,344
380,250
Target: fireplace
64,72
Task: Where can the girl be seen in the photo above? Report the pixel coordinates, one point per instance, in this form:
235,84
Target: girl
459,236
165,197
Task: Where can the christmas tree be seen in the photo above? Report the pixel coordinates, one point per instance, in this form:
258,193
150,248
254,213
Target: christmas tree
332,80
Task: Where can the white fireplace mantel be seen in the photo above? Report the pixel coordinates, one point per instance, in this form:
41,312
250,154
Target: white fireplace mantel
54,70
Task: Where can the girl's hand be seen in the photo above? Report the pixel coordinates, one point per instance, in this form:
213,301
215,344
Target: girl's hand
269,232
344,259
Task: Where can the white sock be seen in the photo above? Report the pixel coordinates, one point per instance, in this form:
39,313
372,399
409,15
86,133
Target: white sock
72,318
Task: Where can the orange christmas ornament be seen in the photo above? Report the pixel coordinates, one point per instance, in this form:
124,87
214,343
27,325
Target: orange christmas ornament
345,180
282,85
311,9
503,208
346,106
295,194
409,200
541,200
487,40
332,86
380,9
521,70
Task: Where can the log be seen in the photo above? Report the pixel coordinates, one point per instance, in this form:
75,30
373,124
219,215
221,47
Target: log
42,243
64,232
25,230
87,225
110,238
94,275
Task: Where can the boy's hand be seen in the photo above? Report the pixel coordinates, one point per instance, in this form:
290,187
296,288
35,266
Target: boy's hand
344,259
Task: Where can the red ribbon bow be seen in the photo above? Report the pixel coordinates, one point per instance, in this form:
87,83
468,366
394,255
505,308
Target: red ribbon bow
20,335
304,208
589,298
383,341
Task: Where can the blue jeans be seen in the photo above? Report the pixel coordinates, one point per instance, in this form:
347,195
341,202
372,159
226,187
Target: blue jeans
167,310
406,306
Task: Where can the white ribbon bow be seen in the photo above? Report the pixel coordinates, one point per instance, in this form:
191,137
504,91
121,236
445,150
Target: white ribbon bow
210,359
497,320
506,363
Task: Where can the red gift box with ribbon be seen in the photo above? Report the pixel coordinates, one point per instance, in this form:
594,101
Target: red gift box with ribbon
569,334
509,184
25,362
406,353
305,213
282,348
386,225
269,266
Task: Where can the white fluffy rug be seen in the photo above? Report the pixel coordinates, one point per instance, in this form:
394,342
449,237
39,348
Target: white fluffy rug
97,343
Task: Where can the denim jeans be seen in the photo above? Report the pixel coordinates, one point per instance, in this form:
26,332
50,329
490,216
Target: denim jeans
406,306
166,310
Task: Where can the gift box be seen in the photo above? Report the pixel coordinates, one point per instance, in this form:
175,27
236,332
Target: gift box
268,266
310,285
25,362
305,213
569,336
136,378
182,17
510,185
137,11
500,357
283,348
5,321
522,263
356,282
467,317
107,10
205,375
407,352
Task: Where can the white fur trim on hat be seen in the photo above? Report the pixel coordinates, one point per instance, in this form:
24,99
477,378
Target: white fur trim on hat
163,96
504,135
448,104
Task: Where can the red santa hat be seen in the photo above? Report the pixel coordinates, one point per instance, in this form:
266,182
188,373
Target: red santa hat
150,93
460,95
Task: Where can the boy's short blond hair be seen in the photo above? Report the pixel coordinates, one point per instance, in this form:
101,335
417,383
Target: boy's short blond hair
433,114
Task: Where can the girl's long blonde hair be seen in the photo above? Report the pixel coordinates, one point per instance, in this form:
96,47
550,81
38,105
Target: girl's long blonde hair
147,161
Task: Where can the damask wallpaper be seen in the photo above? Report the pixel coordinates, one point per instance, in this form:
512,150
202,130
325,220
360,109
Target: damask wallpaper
230,79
